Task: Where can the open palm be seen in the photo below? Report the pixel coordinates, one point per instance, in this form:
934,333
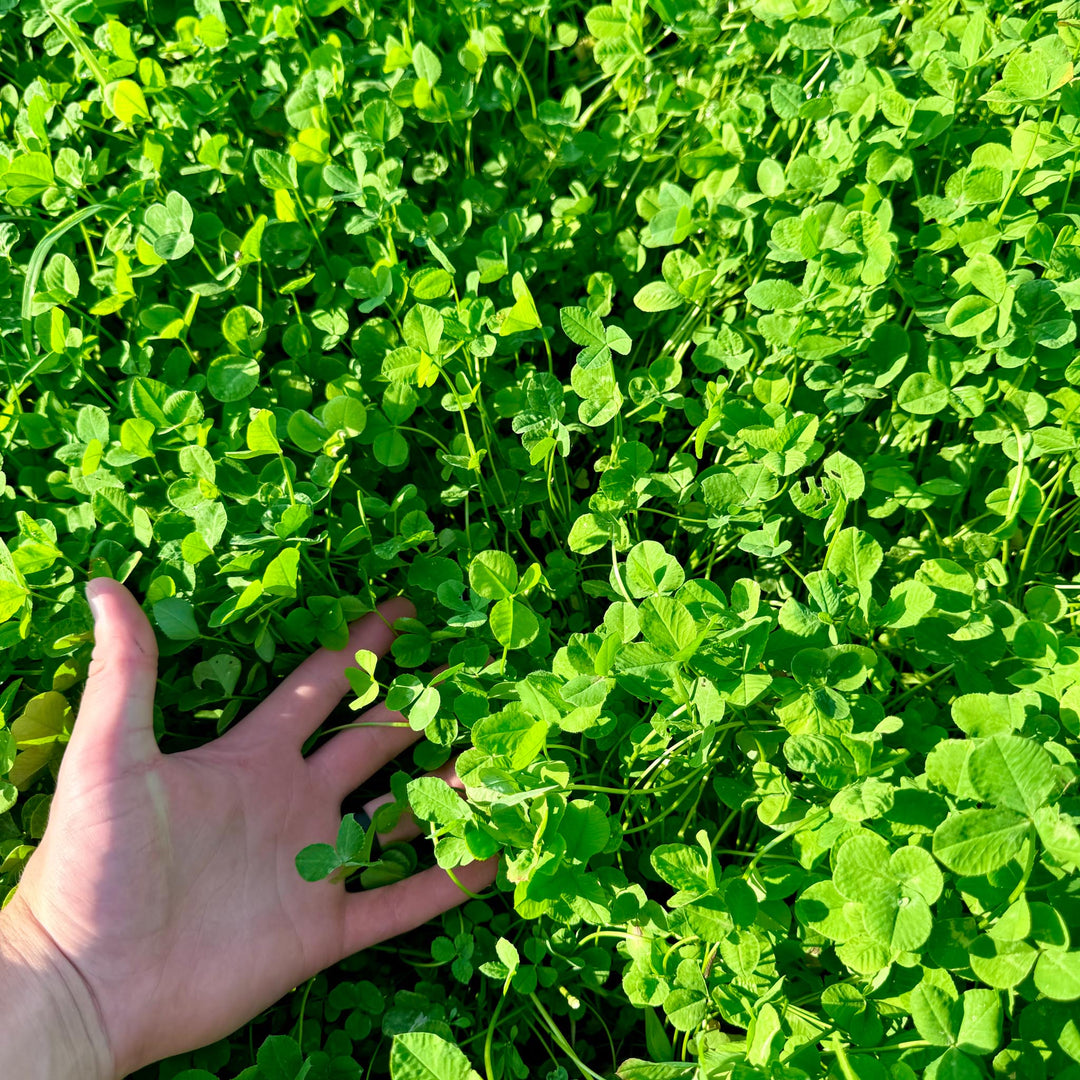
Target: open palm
169,881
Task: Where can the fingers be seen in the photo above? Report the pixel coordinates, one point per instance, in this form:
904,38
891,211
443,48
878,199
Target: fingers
371,917
350,757
345,761
316,686
406,827
116,714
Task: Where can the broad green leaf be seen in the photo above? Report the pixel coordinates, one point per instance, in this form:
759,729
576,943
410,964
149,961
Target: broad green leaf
774,294
27,177
858,35
770,177
232,378
424,709
420,1055
909,602
922,394
430,283
176,619
436,801
936,1015
1001,964
276,171
316,861
279,1058
651,571
588,534
685,1009
667,624
585,829
126,101
493,575
605,21
988,276
423,328
523,315
349,838
971,316
92,423
954,1064
1012,772
855,557
346,414
511,733
657,296
980,1025
582,326
12,598
916,872
862,866
261,435
513,624
40,731
983,715
1057,975
1026,76
680,866
1059,835
306,431
426,63
279,577
223,668
975,842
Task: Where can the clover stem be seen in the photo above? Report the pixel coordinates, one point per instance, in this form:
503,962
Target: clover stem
597,934
659,817
534,1028
618,575
795,570
1068,183
818,815
1029,865
685,1044
920,686
472,450
303,1006
1040,520
995,217
488,1068
677,943
681,833
288,479
560,1039
842,1059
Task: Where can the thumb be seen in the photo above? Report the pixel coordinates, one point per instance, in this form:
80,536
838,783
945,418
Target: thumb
116,715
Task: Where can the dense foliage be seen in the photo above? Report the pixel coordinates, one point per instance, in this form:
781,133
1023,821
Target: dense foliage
706,376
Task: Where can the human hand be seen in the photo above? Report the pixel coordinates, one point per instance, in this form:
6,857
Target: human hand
167,884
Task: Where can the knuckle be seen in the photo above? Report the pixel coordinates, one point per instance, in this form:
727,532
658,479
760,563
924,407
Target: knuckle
114,658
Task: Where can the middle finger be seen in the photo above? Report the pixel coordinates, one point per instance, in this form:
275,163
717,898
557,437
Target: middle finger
347,759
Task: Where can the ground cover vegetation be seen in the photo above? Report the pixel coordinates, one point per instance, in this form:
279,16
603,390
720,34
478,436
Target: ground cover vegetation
706,375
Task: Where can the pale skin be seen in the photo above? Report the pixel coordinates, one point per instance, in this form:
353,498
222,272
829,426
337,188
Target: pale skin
163,909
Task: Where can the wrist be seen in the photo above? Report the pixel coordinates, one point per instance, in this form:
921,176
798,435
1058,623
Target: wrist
53,1024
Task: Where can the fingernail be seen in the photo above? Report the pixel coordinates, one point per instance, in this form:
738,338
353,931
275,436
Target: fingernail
93,599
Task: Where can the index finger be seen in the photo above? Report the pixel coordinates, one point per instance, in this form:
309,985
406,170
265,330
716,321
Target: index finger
309,693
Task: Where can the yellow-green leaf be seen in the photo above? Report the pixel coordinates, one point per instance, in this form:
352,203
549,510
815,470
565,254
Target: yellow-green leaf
126,101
